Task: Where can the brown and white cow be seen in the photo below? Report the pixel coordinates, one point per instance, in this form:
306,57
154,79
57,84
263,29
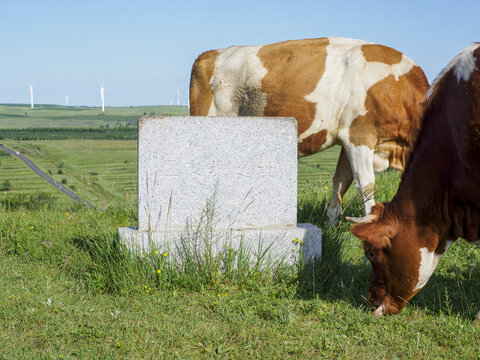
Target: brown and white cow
363,96
438,199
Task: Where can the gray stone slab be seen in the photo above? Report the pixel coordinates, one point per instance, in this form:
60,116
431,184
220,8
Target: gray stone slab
249,164
236,177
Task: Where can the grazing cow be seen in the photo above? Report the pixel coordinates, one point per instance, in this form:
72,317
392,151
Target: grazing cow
438,199
363,96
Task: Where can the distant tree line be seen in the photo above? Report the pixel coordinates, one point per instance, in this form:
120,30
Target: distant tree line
111,133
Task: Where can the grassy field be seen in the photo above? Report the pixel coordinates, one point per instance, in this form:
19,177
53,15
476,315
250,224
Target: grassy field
70,290
20,116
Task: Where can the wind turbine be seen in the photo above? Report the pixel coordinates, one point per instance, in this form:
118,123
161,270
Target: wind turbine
66,100
31,95
102,95
178,96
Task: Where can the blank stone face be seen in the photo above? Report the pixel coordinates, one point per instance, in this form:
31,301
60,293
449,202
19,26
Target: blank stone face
246,167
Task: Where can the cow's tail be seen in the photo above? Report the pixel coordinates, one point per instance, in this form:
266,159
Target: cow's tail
201,94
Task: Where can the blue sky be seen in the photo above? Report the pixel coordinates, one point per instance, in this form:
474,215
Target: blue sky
142,50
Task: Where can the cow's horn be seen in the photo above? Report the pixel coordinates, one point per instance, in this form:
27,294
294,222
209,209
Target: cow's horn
362,220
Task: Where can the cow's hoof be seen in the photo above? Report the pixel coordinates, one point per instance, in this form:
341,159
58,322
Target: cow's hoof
333,215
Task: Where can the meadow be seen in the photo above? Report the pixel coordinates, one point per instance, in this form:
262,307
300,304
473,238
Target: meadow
21,116
71,290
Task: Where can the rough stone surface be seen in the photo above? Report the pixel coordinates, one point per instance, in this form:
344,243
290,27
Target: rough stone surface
237,175
247,164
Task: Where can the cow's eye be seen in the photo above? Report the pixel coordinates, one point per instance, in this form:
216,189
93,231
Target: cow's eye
370,255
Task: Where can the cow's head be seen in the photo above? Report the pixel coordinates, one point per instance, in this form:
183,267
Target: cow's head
393,247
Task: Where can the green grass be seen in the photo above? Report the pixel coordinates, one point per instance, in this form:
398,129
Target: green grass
71,290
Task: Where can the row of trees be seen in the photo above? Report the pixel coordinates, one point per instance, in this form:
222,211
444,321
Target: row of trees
117,133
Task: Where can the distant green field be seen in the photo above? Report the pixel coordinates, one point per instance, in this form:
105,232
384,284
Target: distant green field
21,116
103,170
317,170
99,170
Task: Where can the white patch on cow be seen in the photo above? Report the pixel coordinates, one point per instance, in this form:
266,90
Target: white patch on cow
463,65
466,64
334,94
361,162
238,74
428,263
341,92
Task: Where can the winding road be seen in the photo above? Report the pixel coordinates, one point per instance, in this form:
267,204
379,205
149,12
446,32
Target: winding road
47,178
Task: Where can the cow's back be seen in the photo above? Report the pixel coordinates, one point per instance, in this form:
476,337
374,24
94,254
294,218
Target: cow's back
339,90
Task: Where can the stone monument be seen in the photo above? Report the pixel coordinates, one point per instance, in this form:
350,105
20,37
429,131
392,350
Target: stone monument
236,176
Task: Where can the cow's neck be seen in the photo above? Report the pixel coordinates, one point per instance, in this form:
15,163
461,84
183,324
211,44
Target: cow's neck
437,189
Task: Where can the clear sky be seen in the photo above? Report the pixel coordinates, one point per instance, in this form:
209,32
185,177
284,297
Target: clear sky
143,50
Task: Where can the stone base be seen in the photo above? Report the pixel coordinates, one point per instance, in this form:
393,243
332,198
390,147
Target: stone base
272,244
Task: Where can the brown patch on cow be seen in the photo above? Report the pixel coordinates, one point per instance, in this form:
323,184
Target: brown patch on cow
287,83
201,95
380,53
313,143
394,111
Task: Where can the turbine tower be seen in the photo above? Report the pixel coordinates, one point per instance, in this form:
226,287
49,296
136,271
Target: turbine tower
102,95
178,96
31,95
66,100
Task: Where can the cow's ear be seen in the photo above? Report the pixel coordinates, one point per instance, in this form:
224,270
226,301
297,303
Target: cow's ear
375,233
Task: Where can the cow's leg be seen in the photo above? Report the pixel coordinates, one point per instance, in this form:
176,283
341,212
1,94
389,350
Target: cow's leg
361,162
341,182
